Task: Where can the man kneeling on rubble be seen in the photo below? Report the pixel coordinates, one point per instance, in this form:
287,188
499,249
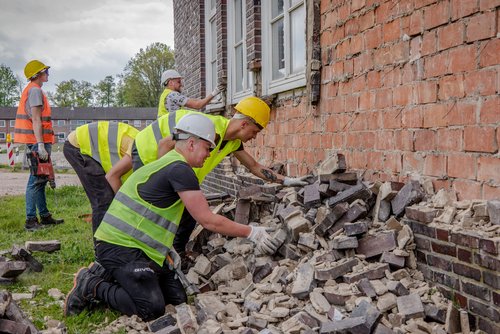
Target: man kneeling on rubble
138,230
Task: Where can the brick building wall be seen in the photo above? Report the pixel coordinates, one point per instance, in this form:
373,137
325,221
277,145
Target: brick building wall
465,268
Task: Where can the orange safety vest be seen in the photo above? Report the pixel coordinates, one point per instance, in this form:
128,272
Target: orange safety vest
23,132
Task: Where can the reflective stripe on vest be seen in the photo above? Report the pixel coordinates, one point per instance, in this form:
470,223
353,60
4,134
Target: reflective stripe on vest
132,222
23,132
162,110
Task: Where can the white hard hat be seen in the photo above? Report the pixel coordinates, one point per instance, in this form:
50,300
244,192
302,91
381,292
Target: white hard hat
169,74
197,125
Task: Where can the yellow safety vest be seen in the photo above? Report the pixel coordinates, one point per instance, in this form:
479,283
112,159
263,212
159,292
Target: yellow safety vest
102,140
162,110
132,222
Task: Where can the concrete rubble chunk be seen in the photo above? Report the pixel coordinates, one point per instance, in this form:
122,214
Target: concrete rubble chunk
410,193
365,286
373,245
257,323
319,302
494,211
350,178
335,186
371,271
304,281
207,306
186,321
357,210
342,326
370,312
384,212
339,294
393,260
452,323
335,270
48,246
308,240
382,329
421,213
336,212
355,229
447,215
162,322
12,269
296,225
21,254
434,313
397,288
359,191
386,302
344,242
333,164
410,306
444,198
242,213
312,196
203,266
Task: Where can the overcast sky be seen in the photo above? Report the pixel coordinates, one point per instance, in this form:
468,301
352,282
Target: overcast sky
82,40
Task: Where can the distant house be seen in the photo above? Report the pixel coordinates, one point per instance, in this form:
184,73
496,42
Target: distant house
65,120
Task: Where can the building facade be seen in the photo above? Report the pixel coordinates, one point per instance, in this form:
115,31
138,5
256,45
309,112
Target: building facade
401,88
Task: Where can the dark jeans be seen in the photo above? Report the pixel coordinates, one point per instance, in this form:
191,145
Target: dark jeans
93,179
35,189
141,286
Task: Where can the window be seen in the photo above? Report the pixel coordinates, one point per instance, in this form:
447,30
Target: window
2,123
61,122
137,123
61,136
148,122
78,122
12,123
125,121
283,45
240,83
211,51
2,135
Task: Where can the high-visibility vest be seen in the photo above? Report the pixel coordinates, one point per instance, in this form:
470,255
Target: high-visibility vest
146,141
132,222
23,132
102,141
162,110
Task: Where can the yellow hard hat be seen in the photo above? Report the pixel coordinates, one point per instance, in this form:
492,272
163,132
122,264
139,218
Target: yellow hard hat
256,109
33,68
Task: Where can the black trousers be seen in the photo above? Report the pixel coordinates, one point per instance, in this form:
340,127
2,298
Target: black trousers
93,179
187,223
141,286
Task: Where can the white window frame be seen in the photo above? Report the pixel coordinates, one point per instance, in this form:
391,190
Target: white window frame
61,136
126,121
233,95
2,123
289,81
149,122
211,47
61,122
3,136
12,123
137,123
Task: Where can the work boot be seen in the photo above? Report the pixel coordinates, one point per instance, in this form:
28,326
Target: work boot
83,293
48,220
32,224
97,269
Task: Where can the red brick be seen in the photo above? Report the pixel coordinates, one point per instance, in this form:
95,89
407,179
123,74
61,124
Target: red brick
451,86
489,53
488,169
462,113
467,189
382,12
413,162
467,271
481,26
373,37
435,165
425,92
488,4
490,246
449,139
465,239
480,139
435,115
461,8
450,35
464,255
462,59
422,3
444,248
402,95
439,262
442,234
489,111
429,43
366,21
404,140
383,98
391,119
462,166
425,140
391,30
412,117
481,82
490,192
416,23
436,15
437,65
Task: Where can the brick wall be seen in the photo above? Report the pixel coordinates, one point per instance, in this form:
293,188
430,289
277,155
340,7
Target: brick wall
465,268
407,87
189,39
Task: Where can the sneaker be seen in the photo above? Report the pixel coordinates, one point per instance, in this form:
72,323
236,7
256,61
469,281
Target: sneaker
32,224
48,220
83,292
97,269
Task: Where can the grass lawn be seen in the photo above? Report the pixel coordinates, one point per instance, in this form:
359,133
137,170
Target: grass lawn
75,235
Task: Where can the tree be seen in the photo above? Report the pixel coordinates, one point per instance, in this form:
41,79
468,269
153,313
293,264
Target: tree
10,87
141,85
105,92
73,93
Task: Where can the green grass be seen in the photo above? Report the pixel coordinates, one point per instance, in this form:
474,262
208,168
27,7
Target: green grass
75,236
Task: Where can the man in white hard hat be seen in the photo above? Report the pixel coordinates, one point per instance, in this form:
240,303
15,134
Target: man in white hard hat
171,99
138,230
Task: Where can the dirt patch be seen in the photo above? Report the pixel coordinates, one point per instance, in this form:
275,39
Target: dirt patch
15,183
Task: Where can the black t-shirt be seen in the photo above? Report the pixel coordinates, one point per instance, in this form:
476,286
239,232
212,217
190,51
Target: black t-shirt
162,187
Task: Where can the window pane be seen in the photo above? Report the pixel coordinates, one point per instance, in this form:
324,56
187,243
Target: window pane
212,4
238,53
298,39
238,21
213,40
213,79
278,56
277,8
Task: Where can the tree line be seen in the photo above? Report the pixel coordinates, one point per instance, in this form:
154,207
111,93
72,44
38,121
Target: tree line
138,86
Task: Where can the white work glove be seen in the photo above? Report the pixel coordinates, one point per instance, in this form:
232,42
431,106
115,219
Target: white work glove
263,240
42,153
295,181
175,258
215,91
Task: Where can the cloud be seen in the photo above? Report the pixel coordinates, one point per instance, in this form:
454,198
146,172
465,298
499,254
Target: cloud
82,40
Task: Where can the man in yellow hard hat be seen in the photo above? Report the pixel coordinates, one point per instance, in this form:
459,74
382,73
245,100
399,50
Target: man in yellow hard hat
34,128
252,116
172,99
